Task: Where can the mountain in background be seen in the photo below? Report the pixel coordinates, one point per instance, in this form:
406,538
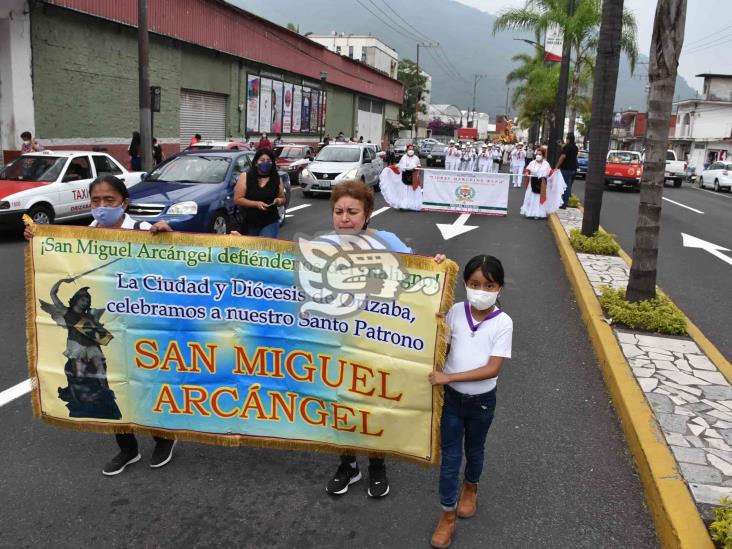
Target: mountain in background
466,38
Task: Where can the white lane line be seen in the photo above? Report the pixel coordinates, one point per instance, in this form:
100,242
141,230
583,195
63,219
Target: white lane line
683,205
380,210
715,193
300,207
9,395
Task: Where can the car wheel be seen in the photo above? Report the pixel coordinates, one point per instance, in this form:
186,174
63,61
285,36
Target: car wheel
219,223
716,185
43,215
701,182
281,213
677,183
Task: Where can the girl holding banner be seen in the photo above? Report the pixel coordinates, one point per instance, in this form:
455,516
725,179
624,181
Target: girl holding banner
480,342
88,393
352,203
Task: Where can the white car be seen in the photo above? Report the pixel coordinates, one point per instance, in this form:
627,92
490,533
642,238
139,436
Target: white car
718,175
336,163
54,185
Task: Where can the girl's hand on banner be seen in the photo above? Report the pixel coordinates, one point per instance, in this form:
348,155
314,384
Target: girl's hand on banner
161,227
28,232
439,378
235,233
439,258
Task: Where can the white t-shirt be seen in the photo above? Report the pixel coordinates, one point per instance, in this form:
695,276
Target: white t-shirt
128,223
407,162
539,169
493,338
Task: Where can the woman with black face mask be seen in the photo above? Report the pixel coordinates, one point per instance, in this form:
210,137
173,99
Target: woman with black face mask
258,192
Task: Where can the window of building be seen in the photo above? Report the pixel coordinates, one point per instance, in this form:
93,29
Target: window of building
350,52
685,125
338,50
363,55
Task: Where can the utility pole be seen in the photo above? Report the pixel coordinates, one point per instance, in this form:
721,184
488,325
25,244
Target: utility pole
507,92
476,78
419,89
143,55
560,110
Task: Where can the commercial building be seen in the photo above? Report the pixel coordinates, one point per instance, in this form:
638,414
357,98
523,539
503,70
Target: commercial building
629,130
704,130
68,74
362,47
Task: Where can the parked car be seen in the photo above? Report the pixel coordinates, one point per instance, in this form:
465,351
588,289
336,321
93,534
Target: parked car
623,169
340,162
718,175
212,145
54,185
582,160
436,156
675,169
293,160
194,191
400,148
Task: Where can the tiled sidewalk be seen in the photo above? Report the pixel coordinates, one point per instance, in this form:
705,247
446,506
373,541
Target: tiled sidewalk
691,399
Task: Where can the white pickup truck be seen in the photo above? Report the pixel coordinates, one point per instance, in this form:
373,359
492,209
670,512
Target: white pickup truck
675,169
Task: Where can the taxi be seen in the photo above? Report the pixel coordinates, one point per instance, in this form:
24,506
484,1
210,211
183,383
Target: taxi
53,186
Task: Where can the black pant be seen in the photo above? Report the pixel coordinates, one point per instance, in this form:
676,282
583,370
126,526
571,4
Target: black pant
373,461
128,443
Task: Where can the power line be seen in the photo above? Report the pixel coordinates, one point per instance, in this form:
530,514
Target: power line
725,28
724,40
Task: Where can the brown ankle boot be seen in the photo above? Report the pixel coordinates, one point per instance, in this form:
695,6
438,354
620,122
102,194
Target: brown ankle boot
468,500
443,534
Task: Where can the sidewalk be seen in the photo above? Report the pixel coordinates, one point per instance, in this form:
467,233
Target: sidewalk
687,394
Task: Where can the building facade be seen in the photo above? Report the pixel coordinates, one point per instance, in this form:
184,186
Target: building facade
704,130
629,130
361,47
68,74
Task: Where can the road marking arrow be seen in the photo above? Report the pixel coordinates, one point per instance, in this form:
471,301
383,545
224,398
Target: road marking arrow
714,249
457,228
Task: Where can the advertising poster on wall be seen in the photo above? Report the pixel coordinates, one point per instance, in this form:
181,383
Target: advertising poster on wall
265,105
305,110
253,84
277,106
315,110
323,110
296,108
287,109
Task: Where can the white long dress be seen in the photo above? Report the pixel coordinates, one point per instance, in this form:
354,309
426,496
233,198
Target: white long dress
397,194
452,159
532,206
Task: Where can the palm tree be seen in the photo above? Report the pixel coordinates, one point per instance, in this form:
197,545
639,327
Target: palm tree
582,29
536,92
603,103
668,37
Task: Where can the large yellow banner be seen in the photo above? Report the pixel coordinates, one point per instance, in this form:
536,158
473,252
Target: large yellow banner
325,343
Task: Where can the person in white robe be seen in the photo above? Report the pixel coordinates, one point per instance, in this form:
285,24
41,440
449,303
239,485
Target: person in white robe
485,160
496,156
544,188
517,163
452,157
399,185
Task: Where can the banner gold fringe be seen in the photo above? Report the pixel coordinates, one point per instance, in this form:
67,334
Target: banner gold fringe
448,268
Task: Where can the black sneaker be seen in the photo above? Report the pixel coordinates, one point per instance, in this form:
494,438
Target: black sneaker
163,453
119,462
344,477
378,483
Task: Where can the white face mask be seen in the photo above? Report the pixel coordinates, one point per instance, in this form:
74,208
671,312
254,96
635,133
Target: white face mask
26,142
410,153
539,158
481,300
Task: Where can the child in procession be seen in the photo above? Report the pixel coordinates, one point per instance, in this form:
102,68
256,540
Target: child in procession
480,342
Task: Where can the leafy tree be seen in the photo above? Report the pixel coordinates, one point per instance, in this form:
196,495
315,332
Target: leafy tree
668,38
296,28
582,29
414,83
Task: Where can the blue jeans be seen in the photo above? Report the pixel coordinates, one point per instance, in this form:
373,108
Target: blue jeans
568,176
266,231
469,417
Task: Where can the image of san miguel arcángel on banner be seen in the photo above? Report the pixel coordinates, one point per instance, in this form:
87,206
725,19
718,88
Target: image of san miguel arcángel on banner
220,339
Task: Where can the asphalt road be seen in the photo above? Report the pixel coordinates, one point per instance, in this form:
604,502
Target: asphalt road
697,281
558,473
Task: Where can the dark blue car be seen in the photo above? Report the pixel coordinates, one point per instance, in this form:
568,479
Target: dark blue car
582,159
194,191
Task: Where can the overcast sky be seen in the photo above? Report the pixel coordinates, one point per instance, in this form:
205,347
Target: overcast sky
707,39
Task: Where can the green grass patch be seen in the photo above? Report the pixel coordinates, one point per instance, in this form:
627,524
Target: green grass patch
721,528
599,243
658,315
573,201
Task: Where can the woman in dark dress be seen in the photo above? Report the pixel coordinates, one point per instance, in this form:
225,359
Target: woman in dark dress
258,192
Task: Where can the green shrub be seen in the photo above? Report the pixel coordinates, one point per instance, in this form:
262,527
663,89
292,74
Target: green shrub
658,315
722,526
599,243
573,201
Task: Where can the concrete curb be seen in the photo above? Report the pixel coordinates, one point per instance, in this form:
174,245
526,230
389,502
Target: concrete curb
674,511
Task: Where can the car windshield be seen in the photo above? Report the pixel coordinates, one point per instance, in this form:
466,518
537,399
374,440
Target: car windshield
402,142
339,154
623,157
34,168
293,153
438,147
192,168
